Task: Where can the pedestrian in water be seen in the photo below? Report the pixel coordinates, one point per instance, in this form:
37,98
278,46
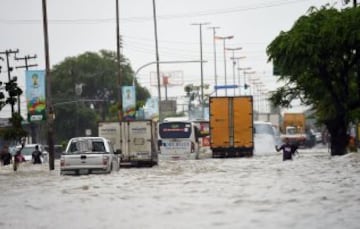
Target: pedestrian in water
36,155
18,158
5,155
288,149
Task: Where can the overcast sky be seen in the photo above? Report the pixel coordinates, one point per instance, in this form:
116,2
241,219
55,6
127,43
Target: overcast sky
77,26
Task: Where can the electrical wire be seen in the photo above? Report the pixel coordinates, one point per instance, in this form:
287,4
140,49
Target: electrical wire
159,17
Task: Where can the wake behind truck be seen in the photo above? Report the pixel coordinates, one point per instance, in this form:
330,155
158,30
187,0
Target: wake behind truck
136,140
231,126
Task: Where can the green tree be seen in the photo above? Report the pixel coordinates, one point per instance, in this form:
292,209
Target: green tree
319,59
16,131
84,90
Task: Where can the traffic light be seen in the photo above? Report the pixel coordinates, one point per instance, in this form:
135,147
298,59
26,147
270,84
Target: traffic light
246,86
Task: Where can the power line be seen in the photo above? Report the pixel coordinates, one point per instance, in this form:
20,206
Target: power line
161,17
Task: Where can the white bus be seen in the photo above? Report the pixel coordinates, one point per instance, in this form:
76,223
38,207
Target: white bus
178,140
180,130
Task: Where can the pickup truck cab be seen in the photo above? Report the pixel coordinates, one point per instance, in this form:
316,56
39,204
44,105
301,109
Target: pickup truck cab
89,155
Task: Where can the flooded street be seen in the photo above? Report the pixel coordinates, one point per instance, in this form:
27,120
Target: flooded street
313,191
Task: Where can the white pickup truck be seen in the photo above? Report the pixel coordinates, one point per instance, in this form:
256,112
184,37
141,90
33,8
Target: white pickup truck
84,155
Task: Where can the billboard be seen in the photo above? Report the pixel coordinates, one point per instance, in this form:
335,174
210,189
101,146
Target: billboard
151,108
129,102
35,95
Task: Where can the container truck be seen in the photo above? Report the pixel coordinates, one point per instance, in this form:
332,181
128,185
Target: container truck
231,126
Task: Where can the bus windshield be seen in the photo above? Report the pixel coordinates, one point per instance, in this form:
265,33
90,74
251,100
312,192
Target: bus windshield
175,130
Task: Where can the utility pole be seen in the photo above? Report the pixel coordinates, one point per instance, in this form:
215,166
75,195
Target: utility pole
214,28
26,66
157,58
120,113
49,106
201,67
9,69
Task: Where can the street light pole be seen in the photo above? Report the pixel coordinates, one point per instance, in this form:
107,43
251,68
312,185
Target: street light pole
224,39
233,62
245,69
214,44
237,59
201,67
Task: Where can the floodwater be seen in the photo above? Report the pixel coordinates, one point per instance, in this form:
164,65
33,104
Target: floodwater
312,191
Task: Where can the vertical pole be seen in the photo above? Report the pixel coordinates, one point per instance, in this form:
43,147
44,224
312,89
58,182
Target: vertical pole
214,46
225,66
238,72
119,79
9,77
32,124
157,59
202,74
233,59
49,107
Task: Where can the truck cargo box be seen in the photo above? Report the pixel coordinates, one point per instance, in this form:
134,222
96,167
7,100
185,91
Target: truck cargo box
231,126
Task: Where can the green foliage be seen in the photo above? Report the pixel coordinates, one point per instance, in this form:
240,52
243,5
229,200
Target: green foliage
96,74
15,132
12,90
319,60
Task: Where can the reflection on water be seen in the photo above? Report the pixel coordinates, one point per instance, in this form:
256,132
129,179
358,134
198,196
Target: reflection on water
313,191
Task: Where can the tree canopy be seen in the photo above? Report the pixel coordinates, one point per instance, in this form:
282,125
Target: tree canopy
84,90
9,92
319,59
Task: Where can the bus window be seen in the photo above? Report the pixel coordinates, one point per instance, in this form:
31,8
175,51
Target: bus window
175,130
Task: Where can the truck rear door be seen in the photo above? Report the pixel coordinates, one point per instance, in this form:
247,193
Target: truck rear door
140,139
219,122
243,121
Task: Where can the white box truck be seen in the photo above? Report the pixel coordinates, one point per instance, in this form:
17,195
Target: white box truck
137,141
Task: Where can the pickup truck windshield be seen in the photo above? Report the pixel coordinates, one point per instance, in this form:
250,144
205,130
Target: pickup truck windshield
87,146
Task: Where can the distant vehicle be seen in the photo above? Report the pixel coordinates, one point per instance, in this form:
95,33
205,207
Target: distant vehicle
29,149
204,138
293,128
178,140
58,150
84,155
265,138
318,136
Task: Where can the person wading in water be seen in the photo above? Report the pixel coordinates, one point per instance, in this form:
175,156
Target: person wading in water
288,149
